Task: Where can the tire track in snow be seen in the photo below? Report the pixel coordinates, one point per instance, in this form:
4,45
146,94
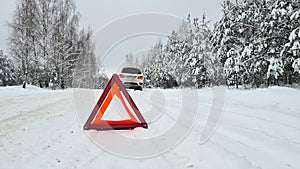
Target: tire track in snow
263,125
32,114
256,146
256,141
16,105
264,119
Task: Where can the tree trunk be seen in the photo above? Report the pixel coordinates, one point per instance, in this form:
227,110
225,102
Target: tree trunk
47,80
25,68
24,84
236,81
40,83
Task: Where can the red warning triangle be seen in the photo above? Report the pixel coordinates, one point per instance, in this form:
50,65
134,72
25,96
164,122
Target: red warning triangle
113,89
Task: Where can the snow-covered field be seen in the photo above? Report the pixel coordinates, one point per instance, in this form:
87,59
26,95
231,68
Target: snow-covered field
259,129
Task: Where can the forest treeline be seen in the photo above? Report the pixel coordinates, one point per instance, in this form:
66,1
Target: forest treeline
256,43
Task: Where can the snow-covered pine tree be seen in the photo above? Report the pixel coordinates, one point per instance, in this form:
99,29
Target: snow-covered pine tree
200,53
173,54
296,65
229,39
257,30
294,49
291,50
186,59
227,32
184,47
276,30
234,68
154,65
7,73
275,70
251,16
188,51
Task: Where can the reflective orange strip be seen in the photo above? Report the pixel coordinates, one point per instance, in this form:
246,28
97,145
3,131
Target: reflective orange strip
103,107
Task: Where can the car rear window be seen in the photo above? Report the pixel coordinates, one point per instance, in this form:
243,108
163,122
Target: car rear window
131,71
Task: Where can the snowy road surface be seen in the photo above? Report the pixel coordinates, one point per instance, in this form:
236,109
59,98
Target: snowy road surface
259,129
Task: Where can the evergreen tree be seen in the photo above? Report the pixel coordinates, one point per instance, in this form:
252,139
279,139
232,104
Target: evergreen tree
227,32
276,35
257,31
153,66
275,70
291,50
8,75
234,68
199,56
229,39
185,60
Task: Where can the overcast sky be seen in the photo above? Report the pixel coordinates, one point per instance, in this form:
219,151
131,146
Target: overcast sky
98,13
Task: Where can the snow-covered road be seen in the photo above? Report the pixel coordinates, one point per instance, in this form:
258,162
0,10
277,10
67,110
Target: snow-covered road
259,129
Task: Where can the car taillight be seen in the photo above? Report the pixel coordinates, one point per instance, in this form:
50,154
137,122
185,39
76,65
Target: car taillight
140,77
121,76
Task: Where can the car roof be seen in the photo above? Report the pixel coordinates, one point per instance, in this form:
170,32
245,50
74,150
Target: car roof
132,68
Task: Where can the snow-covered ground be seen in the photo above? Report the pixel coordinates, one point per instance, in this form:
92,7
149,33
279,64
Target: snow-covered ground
259,129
